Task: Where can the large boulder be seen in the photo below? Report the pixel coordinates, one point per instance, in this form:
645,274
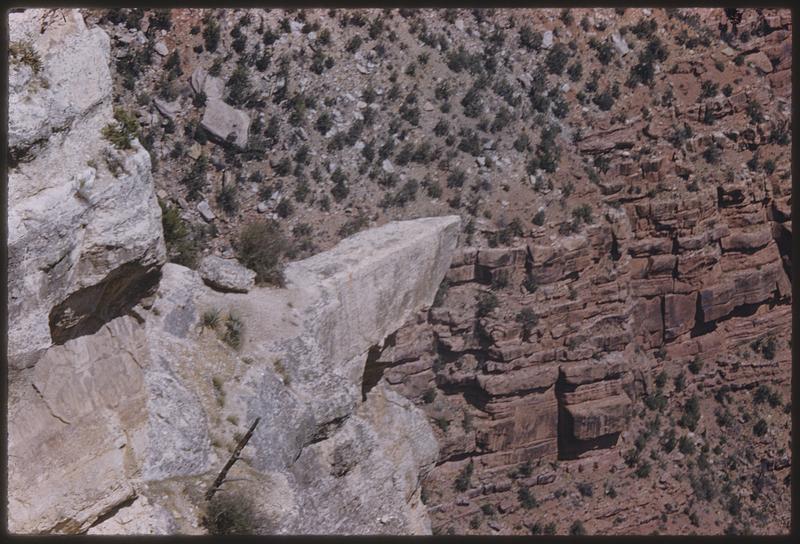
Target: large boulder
226,274
225,123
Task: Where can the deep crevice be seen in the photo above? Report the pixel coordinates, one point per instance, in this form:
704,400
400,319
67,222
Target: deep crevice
373,370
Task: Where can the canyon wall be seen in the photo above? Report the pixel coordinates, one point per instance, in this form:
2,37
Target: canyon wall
125,399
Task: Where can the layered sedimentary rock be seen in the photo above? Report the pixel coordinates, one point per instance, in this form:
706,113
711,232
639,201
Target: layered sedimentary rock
675,276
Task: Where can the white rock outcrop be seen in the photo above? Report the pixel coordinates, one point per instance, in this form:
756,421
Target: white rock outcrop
139,403
124,400
82,216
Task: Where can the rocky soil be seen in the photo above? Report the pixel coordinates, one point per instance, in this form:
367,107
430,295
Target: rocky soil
608,352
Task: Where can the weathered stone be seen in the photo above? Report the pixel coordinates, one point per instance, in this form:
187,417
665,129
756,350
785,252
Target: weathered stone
679,313
170,110
205,211
140,518
620,44
746,241
760,60
64,250
600,417
535,377
222,121
226,274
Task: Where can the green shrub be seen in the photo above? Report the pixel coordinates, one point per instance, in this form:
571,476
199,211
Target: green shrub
211,34
353,44
464,479
577,528
643,470
528,318
429,396
529,38
354,224
679,382
755,112
195,180
238,85
181,249
22,52
121,133
227,198
585,489
487,302
712,154
583,213
685,445
691,414
526,499
261,246
760,428
557,58
211,318
234,328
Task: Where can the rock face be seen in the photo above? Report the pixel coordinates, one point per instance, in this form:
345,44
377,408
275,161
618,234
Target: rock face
674,277
107,439
84,225
129,399
226,274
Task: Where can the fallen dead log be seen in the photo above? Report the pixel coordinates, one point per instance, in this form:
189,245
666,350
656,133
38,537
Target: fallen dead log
233,458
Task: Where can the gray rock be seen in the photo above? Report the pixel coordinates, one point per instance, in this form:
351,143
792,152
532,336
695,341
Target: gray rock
547,39
214,87
161,49
620,44
86,388
387,166
226,274
131,418
175,417
77,76
198,79
222,120
205,211
169,110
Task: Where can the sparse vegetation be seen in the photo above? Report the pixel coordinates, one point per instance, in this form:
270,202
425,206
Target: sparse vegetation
234,328
125,129
464,479
261,246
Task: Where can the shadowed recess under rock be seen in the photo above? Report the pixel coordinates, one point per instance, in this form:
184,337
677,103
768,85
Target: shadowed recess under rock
85,311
